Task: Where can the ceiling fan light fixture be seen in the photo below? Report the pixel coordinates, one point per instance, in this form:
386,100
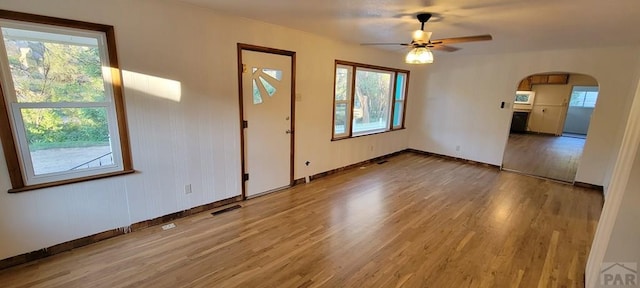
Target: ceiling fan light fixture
420,36
421,43
419,55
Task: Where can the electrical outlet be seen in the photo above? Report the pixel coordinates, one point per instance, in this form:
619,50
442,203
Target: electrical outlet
457,148
168,226
187,189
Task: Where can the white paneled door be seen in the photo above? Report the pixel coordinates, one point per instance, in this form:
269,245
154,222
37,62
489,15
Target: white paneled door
266,90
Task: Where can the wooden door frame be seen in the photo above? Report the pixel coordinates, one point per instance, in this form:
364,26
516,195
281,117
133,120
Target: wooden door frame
248,47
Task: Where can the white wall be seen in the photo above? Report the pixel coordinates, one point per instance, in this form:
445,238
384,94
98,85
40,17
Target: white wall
616,238
191,141
460,105
623,244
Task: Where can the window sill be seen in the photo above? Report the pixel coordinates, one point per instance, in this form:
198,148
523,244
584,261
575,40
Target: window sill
362,135
70,181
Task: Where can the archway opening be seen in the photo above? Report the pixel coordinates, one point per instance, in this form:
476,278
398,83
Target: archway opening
550,123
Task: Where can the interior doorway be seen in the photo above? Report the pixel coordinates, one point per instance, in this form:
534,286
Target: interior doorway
550,123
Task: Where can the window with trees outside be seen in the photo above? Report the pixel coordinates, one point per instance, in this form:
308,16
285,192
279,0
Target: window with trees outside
368,99
63,116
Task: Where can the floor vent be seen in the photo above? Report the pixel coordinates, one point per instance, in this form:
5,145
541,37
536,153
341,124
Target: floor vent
226,210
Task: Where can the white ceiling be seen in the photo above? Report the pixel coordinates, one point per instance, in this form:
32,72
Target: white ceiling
516,25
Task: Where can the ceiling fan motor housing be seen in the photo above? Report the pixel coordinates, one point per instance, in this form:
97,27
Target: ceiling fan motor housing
424,17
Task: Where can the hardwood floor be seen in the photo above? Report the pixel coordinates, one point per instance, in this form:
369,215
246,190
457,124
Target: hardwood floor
542,155
414,221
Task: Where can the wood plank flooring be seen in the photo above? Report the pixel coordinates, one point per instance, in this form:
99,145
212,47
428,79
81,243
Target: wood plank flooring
543,155
414,221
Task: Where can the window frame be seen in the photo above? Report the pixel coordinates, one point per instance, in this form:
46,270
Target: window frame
347,102
9,135
353,66
403,100
584,89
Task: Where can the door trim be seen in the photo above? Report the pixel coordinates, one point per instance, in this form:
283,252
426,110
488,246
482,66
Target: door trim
248,47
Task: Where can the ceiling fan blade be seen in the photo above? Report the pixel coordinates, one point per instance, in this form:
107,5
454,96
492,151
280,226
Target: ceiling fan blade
373,44
486,37
445,48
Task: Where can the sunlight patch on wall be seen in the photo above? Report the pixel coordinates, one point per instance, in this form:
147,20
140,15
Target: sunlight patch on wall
152,85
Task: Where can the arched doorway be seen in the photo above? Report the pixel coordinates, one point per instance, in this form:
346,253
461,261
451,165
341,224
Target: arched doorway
550,123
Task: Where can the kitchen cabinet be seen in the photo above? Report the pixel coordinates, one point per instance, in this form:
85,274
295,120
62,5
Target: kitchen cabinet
544,79
539,79
558,79
525,85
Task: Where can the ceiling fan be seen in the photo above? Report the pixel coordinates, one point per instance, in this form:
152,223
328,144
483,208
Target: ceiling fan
421,44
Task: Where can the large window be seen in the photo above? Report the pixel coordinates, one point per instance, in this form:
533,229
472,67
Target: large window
368,99
62,101
584,96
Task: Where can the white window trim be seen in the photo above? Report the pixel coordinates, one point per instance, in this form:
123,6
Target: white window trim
390,96
24,152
